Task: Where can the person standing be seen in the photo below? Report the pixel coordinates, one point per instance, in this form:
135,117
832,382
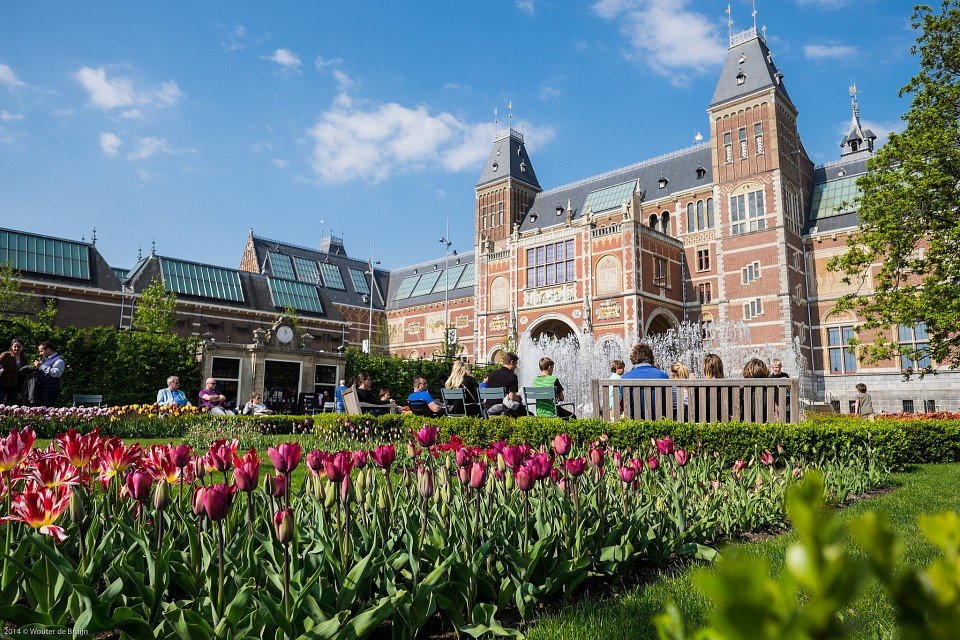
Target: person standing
338,396
11,361
864,403
50,367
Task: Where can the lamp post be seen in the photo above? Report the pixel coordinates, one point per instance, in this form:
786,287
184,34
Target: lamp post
445,240
373,284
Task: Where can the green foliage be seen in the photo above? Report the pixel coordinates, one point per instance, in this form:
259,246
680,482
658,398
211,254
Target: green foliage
822,578
909,220
156,309
395,373
13,303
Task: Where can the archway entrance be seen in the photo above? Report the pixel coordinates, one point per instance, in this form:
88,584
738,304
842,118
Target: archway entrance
552,328
661,323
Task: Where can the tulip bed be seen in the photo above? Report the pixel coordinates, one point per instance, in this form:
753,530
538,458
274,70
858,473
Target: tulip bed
175,542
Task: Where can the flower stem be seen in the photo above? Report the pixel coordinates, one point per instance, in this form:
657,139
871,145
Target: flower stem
221,570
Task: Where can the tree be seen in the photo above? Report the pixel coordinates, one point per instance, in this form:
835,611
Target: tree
156,310
13,302
909,235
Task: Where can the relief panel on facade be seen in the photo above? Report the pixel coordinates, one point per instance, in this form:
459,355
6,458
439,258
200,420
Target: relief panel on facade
499,294
829,284
608,275
608,310
549,295
413,329
435,326
462,322
395,331
498,324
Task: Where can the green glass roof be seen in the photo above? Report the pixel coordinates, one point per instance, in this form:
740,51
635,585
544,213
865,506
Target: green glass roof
359,281
281,266
306,270
331,276
299,295
122,274
468,277
828,196
37,254
609,197
194,279
448,279
403,291
425,286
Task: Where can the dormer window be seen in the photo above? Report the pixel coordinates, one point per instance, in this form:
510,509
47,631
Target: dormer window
662,182
701,172
559,209
495,166
741,78
523,166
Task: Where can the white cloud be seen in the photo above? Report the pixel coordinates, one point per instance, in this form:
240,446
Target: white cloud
526,6
236,39
6,116
118,92
280,163
286,59
132,114
829,51
9,79
667,37
549,89
344,82
322,62
375,141
110,144
147,147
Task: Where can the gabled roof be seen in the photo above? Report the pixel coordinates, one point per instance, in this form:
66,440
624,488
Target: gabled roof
749,68
508,159
684,170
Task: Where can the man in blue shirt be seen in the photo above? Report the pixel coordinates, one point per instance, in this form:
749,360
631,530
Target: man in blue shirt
643,369
50,367
338,396
422,398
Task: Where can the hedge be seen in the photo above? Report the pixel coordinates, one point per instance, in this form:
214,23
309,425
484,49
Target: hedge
896,442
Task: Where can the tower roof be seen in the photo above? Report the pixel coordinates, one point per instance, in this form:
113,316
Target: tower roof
508,159
749,68
858,141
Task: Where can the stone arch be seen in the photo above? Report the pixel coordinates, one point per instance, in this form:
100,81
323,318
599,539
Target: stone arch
608,275
496,355
556,326
660,321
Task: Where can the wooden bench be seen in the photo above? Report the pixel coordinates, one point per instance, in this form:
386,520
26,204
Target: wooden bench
729,400
353,406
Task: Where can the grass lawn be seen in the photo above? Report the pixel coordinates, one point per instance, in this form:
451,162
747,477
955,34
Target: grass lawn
927,489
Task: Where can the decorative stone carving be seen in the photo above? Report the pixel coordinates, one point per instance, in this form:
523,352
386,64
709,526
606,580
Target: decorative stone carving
499,294
549,295
608,275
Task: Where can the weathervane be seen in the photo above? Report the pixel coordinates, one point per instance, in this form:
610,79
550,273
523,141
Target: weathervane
729,23
496,123
754,14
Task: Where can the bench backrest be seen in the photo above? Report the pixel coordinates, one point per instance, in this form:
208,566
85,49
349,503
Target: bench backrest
351,403
87,398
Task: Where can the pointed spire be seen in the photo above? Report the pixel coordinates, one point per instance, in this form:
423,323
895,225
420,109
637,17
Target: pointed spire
153,247
729,23
754,14
857,138
93,238
139,254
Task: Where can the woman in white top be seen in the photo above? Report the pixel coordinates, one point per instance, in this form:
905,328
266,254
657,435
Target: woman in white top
255,406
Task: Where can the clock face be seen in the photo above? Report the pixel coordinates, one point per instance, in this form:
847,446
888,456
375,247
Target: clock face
285,334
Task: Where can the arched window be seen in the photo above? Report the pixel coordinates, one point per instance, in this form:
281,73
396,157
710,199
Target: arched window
654,219
700,221
690,227
709,213
665,222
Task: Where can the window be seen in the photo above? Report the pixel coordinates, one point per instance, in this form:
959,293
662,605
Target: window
325,379
306,270
189,278
661,272
705,292
359,279
38,254
654,220
852,406
747,213
665,222
226,371
331,276
929,406
551,264
835,404
727,148
753,309
793,217
690,225
703,259
750,273
700,220
743,143
710,213
843,359
758,136
298,295
281,266
914,346
907,406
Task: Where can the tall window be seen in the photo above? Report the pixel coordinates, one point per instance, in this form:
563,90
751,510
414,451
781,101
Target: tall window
758,136
700,220
914,346
661,273
727,147
551,264
842,357
743,143
710,213
750,272
747,213
700,215
705,292
753,309
691,227
703,259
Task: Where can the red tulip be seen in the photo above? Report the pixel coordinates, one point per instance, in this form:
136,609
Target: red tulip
384,455
138,485
575,466
15,447
541,465
681,456
285,457
627,474
525,478
637,464
217,500
159,462
182,454
283,525
665,446
247,475
562,444
220,455
739,466
360,459
79,449
115,457
54,470
766,458
653,463
427,435
478,474
40,509
596,457
338,466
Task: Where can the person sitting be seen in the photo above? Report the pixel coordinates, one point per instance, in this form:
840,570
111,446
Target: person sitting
420,400
547,379
460,378
172,395
505,378
385,394
365,395
255,406
754,411
484,383
212,401
617,367
643,369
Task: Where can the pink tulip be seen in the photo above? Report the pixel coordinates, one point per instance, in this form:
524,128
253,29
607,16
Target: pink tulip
315,460
338,466
513,456
681,456
181,455
247,476
637,464
596,457
478,474
217,500
285,457
427,435
464,457
766,458
463,475
360,459
739,466
198,509
384,455
283,525
653,463
15,447
627,474
138,485
525,477
576,466
276,485
220,455
541,465
665,446
562,444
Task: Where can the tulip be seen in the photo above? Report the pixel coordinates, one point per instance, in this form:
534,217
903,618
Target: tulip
665,446
513,456
575,466
766,458
217,500
541,465
478,474
464,457
220,455
40,509
739,466
198,509
276,486
79,449
360,459
596,457
15,447
425,481
315,460
427,435
283,525
54,470
525,477
383,456
161,496
199,469
337,467
182,454
562,444
78,509
138,485
246,476
653,463
627,474
637,464
681,456
285,457
463,474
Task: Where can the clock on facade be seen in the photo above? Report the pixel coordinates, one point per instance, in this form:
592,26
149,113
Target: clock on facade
285,334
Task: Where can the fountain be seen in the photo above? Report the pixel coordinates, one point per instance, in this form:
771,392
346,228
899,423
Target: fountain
580,359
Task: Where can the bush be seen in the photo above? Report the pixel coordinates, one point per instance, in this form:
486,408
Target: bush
397,374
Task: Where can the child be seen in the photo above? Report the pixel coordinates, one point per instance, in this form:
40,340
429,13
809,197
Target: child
679,371
385,395
864,403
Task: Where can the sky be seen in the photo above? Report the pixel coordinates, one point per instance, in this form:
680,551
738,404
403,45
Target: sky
188,123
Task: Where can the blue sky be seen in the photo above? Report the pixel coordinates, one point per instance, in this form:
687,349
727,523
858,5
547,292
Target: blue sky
188,123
